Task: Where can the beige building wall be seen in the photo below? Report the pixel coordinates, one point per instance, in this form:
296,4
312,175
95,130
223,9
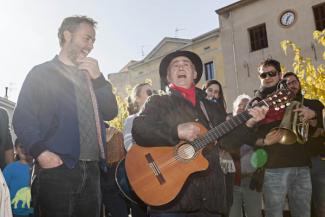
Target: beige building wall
240,64
207,46
209,49
119,82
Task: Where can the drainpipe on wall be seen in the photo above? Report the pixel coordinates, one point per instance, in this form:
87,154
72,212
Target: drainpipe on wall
234,52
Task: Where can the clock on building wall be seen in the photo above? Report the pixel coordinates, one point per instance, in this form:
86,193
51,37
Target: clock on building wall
288,18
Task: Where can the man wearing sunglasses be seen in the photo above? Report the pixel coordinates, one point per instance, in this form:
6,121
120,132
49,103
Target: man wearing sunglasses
286,171
269,74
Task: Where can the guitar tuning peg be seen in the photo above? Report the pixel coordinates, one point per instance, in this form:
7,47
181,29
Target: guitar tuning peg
282,106
276,108
285,98
288,103
279,100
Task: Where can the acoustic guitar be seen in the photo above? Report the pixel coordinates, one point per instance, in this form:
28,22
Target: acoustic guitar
157,174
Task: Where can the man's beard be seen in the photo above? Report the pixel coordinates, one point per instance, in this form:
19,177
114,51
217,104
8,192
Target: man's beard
298,95
73,56
296,91
73,52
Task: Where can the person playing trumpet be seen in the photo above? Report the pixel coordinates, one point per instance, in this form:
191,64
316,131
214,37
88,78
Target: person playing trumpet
287,170
311,113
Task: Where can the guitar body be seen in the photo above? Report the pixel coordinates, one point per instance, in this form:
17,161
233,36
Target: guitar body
123,184
157,174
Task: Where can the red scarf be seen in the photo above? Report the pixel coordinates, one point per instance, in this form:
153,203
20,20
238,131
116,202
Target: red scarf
273,115
188,94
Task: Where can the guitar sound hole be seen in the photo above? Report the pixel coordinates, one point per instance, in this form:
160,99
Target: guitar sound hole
186,151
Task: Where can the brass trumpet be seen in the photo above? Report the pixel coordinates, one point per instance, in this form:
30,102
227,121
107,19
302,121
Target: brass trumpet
292,128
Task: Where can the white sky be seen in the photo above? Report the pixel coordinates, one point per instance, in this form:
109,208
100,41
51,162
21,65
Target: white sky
28,30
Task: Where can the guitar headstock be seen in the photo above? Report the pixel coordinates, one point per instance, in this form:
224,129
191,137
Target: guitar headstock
279,99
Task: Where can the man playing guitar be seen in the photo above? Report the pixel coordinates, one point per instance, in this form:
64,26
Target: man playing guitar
168,119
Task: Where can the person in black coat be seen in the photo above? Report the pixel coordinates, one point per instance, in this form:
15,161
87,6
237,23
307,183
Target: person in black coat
311,112
6,145
287,172
167,119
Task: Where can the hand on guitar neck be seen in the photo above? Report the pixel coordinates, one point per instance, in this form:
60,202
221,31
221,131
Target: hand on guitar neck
189,131
258,114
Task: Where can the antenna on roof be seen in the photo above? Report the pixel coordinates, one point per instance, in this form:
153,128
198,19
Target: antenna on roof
142,50
10,89
177,30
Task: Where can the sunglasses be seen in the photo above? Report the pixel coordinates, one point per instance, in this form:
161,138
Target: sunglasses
293,82
263,75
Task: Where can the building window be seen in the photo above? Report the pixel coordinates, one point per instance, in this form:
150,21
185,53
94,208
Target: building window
209,70
258,37
319,15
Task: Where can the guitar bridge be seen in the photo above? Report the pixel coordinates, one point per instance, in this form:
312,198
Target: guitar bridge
155,169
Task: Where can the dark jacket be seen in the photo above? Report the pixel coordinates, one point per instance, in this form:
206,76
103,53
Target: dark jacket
157,126
5,136
295,155
46,116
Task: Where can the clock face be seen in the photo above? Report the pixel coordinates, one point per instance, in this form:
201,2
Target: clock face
287,18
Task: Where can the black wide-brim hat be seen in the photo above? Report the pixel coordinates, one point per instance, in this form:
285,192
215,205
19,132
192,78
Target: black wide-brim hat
195,59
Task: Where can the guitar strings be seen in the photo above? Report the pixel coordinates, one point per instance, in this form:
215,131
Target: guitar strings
235,121
198,144
174,159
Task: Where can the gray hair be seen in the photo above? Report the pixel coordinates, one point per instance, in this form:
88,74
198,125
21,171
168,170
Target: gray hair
238,100
72,23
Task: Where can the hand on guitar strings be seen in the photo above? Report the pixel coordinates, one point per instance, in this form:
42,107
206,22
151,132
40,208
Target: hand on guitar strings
188,131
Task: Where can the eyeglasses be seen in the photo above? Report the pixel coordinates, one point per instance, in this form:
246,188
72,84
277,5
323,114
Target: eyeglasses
293,82
263,75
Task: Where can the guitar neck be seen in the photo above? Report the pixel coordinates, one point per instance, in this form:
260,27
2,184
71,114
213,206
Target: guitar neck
224,128
221,130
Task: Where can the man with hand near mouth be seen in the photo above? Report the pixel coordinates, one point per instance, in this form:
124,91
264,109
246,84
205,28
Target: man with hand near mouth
59,120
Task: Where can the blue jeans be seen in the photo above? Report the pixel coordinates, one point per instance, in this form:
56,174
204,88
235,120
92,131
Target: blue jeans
65,192
318,181
114,202
294,182
246,198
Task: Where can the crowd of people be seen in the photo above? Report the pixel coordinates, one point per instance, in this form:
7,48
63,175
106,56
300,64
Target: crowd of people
65,156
